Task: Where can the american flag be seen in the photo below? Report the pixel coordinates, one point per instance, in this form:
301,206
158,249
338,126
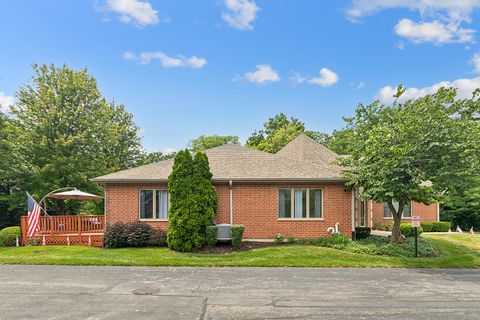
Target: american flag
34,210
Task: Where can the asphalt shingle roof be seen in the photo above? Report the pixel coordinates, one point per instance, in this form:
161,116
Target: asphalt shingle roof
238,163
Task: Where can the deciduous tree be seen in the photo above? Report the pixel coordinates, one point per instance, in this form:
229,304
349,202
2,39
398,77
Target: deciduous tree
419,150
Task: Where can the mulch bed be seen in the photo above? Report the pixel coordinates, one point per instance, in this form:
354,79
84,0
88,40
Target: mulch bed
226,247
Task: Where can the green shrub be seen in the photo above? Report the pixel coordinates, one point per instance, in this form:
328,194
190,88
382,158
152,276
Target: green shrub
237,235
279,238
138,234
407,230
115,236
440,226
383,225
426,226
338,239
211,236
158,237
362,232
8,236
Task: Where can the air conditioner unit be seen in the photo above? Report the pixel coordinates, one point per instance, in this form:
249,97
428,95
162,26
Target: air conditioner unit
224,231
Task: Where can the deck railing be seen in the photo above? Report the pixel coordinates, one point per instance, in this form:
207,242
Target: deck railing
83,230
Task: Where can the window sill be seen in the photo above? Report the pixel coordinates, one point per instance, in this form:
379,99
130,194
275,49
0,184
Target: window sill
300,219
146,220
403,218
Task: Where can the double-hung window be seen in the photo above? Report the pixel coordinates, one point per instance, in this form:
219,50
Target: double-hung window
154,204
407,210
300,203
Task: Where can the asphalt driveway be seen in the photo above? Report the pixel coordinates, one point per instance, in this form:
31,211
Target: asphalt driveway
57,292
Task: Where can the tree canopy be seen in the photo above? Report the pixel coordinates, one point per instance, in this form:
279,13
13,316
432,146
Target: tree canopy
419,150
280,130
206,142
67,132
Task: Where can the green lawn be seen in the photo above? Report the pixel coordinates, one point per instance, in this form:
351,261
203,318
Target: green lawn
458,251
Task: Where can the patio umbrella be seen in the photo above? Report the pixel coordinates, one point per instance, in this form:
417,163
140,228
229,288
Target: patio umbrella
74,195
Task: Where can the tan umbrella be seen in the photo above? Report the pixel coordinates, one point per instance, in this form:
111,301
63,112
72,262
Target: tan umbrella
74,195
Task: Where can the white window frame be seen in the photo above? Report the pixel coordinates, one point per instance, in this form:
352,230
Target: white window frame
307,218
391,218
154,206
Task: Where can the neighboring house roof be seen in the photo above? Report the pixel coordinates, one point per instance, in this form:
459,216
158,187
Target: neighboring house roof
238,163
305,149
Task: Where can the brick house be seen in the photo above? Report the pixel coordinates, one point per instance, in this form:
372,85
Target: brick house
296,192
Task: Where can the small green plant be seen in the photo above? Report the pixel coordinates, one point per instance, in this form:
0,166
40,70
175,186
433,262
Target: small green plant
427,226
292,240
237,235
211,236
382,225
362,232
407,230
338,239
440,226
279,238
33,241
8,236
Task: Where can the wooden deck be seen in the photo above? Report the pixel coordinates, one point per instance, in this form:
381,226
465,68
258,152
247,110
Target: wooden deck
66,230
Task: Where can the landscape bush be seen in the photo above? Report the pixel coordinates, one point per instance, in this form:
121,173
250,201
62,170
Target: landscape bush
211,236
133,234
440,226
382,225
407,230
237,235
158,238
8,236
373,246
115,236
138,234
279,238
362,232
427,226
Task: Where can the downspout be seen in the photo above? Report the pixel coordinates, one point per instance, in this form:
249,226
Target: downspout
353,214
438,211
230,186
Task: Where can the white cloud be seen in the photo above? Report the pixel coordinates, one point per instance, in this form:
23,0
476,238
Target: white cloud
326,79
167,150
465,87
436,32
476,62
297,78
241,13
441,20
358,85
264,73
5,102
165,60
140,13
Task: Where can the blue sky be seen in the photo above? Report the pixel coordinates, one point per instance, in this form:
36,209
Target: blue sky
192,67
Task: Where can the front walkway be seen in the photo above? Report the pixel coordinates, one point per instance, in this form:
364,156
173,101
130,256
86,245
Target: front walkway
58,292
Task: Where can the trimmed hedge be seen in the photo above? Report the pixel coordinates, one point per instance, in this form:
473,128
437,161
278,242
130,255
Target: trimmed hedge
440,226
115,236
407,230
362,232
211,235
8,236
237,235
427,226
158,238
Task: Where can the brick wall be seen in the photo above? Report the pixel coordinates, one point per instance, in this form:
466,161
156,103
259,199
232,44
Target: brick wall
426,213
254,205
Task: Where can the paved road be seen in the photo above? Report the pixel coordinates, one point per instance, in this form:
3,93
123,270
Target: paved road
57,292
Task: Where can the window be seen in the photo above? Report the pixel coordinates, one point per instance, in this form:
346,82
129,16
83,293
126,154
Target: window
285,203
300,203
154,207
407,210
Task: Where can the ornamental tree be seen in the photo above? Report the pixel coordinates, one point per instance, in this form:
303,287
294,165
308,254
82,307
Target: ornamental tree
417,150
193,201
